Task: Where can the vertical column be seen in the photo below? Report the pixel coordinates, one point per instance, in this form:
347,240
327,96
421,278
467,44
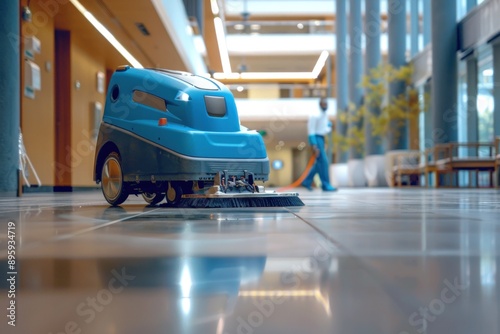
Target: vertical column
355,67
9,96
426,34
496,86
429,142
398,137
414,28
341,74
444,71
413,124
426,24
472,91
373,145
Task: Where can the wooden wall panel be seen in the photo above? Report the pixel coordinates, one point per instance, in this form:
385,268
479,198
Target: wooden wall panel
63,161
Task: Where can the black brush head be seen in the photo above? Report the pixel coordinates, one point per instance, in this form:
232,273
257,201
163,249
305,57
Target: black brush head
240,202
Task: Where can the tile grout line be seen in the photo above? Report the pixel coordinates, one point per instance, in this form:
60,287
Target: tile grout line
385,286
48,206
321,232
86,230
93,228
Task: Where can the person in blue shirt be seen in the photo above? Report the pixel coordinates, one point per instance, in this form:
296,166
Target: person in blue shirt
318,126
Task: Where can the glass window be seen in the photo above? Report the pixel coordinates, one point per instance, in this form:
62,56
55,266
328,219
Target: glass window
485,102
422,116
462,104
463,176
465,6
149,100
485,99
461,9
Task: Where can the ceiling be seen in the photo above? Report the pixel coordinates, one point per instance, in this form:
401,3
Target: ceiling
154,32
147,30
261,36
271,36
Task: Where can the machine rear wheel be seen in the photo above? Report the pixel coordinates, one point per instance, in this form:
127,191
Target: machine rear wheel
153,198
112,184
174,193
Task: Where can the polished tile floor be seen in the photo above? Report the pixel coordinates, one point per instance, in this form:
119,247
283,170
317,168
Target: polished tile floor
364,261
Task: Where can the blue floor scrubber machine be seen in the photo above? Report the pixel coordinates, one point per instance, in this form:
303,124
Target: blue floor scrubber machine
177,136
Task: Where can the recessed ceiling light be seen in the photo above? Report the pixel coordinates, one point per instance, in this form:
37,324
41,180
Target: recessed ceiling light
300,26
255,26
142,28
240,88
239,26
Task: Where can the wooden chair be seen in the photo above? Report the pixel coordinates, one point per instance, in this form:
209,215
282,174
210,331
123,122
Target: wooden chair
451,158
407,170
432,165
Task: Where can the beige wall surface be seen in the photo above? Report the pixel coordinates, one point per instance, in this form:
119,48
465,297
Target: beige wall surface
85,65
283,177
90,54
37,114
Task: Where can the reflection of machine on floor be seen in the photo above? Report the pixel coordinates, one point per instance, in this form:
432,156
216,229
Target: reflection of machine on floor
25,163
177,135
189,278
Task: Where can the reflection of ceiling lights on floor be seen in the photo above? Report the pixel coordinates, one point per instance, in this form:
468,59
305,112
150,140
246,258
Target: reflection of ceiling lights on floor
324,301
278,293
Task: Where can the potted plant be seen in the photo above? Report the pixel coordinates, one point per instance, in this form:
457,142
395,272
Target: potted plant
378,121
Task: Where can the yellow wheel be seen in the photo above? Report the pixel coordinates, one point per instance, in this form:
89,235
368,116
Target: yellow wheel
174,193
112,184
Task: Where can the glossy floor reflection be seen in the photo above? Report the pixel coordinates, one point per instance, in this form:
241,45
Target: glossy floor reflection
364,261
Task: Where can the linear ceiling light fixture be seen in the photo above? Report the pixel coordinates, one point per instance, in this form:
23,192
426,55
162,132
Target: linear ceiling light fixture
277,75
221,41
107,34
320,63
221,38
264,76
215,7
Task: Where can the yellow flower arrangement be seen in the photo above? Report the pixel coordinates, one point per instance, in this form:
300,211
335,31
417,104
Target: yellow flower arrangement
384,115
